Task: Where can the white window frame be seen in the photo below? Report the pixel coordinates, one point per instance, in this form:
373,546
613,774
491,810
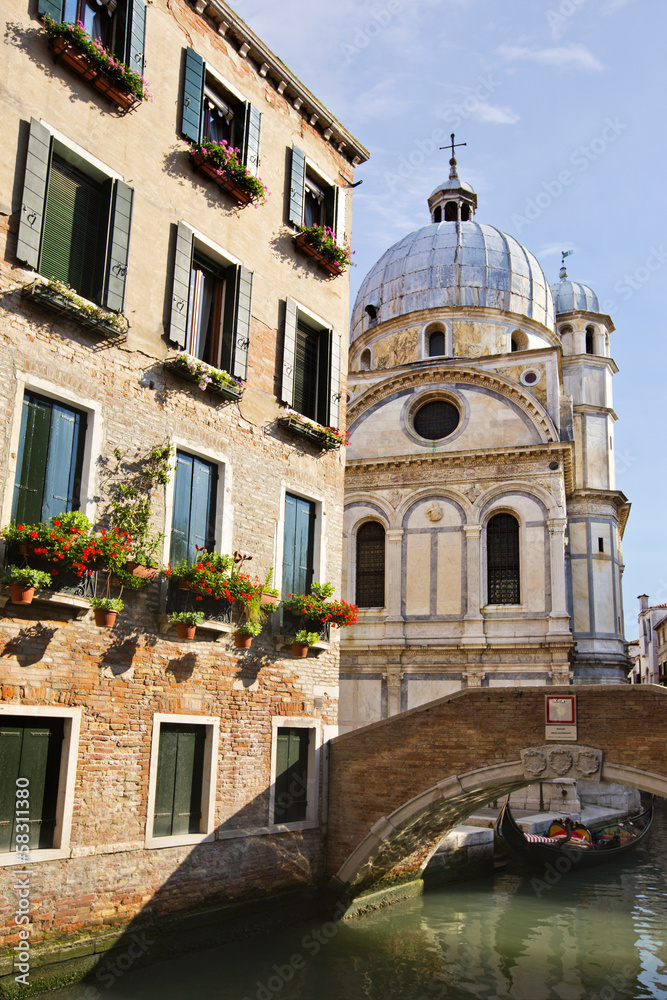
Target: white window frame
424,337
493,509
209,781
92,445
313,780
66,779
224,510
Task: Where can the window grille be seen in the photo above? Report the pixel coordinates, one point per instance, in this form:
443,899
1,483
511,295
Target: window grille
436,344
502,549
370,565
436,420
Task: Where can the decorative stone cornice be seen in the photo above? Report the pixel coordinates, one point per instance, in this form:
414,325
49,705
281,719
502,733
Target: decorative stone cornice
237,32
499,384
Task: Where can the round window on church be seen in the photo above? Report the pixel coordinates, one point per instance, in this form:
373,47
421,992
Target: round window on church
436,419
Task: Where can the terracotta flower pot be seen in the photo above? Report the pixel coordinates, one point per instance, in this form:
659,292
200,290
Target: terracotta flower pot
299,649
242,641
269,599
21,594
140,571
185,585
104,618
185,631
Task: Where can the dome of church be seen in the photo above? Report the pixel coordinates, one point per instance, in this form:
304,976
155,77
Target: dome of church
452,184
571,296
449,264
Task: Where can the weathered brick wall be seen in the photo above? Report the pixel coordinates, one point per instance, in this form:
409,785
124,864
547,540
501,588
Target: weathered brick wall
375,770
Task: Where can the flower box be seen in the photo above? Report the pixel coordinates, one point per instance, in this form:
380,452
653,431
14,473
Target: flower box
293,623
313,432
65,50
89,316
227,390
189,600
305,245
227,182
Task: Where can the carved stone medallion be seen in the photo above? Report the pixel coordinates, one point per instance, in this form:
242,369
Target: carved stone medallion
434,512
557,761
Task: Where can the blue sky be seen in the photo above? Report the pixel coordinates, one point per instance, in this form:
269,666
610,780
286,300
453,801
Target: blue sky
561,105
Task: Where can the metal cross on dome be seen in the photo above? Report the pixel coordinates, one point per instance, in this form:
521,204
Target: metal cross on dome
454,145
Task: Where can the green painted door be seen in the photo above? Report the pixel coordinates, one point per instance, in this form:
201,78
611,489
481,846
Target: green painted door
30,752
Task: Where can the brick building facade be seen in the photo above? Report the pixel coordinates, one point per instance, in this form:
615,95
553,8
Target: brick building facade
111,200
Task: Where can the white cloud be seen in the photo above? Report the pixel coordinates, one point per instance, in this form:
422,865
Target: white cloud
499,115
560,56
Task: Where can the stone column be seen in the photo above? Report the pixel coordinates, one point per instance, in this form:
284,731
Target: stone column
559,619
393,681
473,628
394,582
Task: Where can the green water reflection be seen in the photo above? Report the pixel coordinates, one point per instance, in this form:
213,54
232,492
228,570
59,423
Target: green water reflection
597,935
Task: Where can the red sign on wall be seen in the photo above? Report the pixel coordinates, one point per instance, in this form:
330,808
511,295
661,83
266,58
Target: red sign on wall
561,717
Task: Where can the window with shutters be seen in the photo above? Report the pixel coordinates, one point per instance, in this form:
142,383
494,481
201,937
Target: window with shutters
502,557
74,226
194,511
314,200
211,304
212,111
298,545
38,750
181,792
311,367
49,459
370,565
294,785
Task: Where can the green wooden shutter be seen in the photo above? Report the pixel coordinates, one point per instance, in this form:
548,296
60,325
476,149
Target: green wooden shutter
330,206
180,523
298,545
178,790
251,133
52,7
34,193
242,322
193,95
135,35
62,479
291,785
202,506
180,293
30,748
334,379
75,229
119,245
31,460
289,353
297,186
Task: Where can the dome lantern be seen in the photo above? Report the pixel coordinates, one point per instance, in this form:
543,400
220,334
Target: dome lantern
453,200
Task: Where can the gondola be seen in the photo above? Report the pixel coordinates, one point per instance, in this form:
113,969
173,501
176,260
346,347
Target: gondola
571,840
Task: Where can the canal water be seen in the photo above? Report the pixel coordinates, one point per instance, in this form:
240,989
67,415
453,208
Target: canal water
518,933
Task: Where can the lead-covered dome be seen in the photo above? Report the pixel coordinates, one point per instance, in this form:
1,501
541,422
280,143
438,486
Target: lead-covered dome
451,264
571,296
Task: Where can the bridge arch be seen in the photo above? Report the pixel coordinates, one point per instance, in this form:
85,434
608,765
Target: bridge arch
388,814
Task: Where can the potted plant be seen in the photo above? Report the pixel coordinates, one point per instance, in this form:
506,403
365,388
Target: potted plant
321,243
269,594
302,641
23,582
245,633
106,610
224,165
205,376
60,298
317,607
186,622
328,438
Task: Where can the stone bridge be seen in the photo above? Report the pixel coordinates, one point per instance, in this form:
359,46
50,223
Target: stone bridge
396,787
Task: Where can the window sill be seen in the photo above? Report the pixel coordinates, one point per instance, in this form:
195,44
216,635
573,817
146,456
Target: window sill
182,840
65,50
302,427
221,629
229,391
79,606
41,292
323,260
39,854
225,182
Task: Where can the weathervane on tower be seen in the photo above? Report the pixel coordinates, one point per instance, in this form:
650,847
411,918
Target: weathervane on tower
452,162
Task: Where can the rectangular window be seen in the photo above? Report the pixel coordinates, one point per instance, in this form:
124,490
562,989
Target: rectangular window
314,201
291,782
195,502
120,25
311,367
298,546
75,221
49,460
30,752
178,789
212,112
211,305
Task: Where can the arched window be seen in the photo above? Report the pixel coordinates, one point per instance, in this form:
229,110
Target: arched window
589,340
370,565
437,214
372,313
465,213
436,344
365,361
451,212
502,559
